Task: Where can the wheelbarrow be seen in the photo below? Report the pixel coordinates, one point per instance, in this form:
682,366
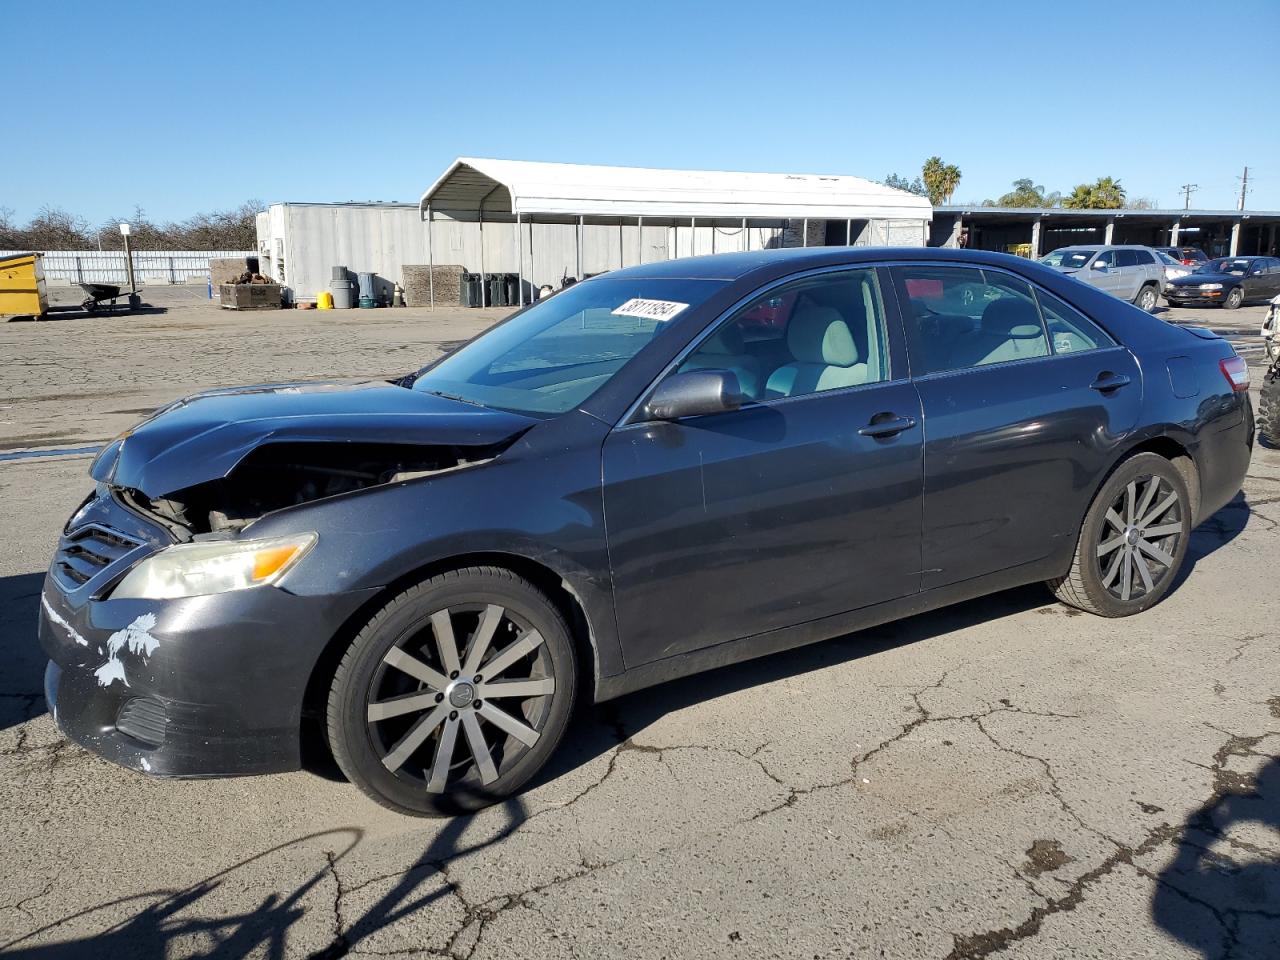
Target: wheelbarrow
97,294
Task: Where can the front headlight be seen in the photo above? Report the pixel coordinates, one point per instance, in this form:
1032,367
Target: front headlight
1210,286
198,569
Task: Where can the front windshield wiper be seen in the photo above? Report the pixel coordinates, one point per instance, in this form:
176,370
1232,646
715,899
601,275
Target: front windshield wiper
454,396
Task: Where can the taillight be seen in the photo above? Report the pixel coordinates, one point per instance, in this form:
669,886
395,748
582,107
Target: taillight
1236,370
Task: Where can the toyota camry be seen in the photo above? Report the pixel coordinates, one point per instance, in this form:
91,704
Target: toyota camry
657,471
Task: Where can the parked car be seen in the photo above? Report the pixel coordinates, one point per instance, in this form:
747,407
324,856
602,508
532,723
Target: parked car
1228,282
1173,269
1129,272
1187,256
631,481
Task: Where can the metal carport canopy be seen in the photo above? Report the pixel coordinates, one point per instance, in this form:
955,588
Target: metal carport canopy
476,186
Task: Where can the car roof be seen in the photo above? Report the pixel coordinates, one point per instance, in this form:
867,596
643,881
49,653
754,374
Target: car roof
735,266
1106,246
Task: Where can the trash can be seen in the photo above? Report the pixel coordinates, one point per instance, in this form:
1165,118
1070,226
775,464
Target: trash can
367,299
343,289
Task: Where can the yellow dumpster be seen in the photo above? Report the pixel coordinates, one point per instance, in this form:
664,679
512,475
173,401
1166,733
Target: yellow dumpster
22,290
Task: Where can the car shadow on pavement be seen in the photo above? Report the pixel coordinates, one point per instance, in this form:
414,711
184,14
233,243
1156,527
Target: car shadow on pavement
174,922
22,680
601,728
1220,892
1213,533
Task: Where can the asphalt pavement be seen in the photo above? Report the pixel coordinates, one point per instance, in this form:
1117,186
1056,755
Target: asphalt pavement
1007,777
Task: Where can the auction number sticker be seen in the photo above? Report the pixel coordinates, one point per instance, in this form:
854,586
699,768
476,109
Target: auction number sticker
649,309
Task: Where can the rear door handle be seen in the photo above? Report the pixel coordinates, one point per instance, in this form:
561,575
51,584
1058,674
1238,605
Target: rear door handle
887,428
1109,381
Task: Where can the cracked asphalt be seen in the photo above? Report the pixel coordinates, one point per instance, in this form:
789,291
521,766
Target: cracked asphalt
1007,777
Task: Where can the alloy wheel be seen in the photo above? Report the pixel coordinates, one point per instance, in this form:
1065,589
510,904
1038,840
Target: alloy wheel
1139,538
440,712
1147,299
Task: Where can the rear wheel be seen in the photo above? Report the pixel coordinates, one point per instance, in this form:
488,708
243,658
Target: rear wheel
1269,411
1146,299
1234,298
1132,541
454,694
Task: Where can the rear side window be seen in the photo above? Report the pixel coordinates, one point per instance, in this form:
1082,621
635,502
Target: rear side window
960,317
1126,258
1069,330
1143,257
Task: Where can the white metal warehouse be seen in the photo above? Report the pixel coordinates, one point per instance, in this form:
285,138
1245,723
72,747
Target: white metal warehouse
548,221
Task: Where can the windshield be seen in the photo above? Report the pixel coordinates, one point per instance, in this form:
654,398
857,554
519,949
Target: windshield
1168,260
1073,259
550,358
1231,266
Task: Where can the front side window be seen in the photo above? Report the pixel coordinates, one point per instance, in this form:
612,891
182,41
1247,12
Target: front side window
553,356
964,317
1107,258
820,333
1067,259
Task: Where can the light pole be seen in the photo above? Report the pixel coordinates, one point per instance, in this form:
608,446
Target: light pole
128,259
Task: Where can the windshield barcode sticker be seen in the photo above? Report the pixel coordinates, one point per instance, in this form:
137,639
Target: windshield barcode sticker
649,309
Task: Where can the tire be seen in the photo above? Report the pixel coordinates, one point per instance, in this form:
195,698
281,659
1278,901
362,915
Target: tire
1097,584
1147,298
401,659
1268,420
1170,304
1235,297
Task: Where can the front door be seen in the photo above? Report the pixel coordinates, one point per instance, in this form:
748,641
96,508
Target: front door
804,503
1025,408
1104,272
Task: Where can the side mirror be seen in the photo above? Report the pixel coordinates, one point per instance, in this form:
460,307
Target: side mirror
695,393
1098,265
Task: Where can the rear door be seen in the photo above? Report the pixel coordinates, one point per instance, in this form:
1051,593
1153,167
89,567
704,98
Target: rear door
1021,420
804,503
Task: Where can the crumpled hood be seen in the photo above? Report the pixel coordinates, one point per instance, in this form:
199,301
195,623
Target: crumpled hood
203,437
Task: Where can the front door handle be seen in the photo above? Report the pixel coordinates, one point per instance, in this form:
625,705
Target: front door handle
1107,382
890,426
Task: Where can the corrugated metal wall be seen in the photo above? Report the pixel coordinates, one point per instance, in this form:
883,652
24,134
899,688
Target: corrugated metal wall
300,243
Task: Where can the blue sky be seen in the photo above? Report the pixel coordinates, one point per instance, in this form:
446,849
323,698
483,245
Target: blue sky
371,101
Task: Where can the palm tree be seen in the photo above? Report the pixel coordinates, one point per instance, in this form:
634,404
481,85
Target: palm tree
940,180
1106,193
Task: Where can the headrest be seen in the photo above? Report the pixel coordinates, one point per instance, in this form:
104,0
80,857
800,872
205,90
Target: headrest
725,342
819,334
1012,317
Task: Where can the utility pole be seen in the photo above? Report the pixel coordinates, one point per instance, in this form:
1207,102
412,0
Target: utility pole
1187,190
1244,187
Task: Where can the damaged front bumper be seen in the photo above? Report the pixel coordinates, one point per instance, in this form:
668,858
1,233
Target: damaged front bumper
195,687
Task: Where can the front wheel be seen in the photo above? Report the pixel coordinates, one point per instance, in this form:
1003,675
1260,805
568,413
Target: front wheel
1146,299
454,694
1132,541
1234,299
